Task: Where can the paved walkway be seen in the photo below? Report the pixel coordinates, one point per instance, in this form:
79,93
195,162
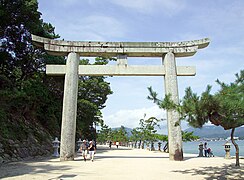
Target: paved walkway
124,163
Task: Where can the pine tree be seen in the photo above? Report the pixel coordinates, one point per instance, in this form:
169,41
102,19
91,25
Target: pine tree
224,108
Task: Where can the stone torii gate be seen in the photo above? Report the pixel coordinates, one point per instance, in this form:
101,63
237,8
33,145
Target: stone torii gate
168,51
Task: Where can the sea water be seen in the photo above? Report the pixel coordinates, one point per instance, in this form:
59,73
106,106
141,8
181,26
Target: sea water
217,147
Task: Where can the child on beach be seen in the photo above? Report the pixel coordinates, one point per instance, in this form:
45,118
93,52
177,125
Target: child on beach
210,152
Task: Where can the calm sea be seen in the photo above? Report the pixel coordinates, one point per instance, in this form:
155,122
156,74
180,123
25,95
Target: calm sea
216,146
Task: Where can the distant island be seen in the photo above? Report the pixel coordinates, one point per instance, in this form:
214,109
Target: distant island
216,132
206,132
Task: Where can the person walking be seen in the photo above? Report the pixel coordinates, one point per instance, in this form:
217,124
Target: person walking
110,144
92,150
83,149
117,144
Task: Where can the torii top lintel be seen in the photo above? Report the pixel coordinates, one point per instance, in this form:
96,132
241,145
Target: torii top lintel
131,49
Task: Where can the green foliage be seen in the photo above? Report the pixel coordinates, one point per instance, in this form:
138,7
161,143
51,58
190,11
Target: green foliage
188,136
136,134
119,135
166,103
162,137
19,12
146,130
231,103
107,134
34,101
92,95
26,96
195,109
225,108
19,60
104,134
3,115
5,131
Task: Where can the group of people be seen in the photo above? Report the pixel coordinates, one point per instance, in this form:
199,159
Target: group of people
85,147
207,151
110,144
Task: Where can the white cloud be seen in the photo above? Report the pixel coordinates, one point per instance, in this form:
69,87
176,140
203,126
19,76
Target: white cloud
131,117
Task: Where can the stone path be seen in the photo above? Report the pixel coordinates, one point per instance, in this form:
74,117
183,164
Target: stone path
124,163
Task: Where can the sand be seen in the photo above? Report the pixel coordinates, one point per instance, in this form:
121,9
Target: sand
125,163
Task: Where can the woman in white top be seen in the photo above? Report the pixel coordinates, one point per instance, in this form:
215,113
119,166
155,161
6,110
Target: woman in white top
92,150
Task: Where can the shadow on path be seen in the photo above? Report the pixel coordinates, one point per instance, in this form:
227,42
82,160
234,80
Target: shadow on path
13,169
220,173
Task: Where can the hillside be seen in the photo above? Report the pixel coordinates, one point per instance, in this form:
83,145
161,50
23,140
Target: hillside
215,132
205,132
128,130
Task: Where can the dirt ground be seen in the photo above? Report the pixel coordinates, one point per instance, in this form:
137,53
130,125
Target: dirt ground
125,163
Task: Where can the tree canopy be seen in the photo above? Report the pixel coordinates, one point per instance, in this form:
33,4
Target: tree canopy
26,92
224,108
92,95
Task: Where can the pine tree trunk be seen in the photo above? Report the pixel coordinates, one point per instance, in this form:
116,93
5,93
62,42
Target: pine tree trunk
236,146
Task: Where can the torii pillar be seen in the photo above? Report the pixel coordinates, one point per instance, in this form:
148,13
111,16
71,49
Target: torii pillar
74,49
174,129
67,148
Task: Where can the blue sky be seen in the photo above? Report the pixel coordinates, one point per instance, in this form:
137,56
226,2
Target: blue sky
156,20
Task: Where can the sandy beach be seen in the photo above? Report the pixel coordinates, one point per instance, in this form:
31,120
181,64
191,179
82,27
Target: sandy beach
125,163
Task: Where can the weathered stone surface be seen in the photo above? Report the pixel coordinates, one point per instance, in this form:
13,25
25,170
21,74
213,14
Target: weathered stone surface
11,142
23,152
31,139
18,150
7,156
40,41
174,129
132,49
1,148
120,70
1,160
67,146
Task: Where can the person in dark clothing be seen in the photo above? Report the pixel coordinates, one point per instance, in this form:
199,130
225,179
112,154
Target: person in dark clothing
110,144
92,150
205,149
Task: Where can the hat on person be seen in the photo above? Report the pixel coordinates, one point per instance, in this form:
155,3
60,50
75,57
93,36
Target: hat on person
84,140
90,142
